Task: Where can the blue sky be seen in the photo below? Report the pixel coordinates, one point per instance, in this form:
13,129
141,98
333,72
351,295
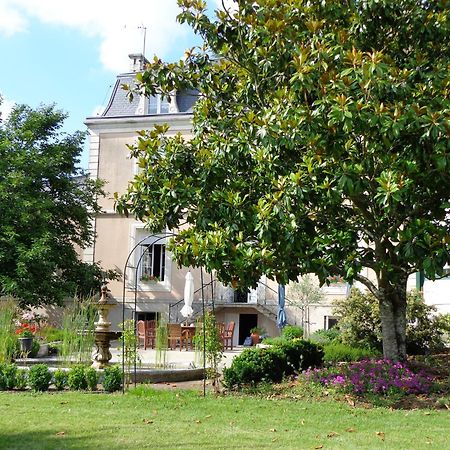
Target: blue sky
69,52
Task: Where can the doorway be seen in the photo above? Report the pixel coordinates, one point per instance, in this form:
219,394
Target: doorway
246,323
147,316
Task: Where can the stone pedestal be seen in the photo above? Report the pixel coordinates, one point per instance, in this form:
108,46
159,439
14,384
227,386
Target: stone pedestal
103,336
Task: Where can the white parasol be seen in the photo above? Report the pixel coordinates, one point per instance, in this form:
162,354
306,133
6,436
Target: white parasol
187,310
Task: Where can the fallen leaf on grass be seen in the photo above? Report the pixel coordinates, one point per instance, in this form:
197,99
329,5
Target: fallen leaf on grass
60,433
147,421
332,434
302,422
350,401
208,416
318,447
427,414
350,430
198,421
273,430
380,434
63,403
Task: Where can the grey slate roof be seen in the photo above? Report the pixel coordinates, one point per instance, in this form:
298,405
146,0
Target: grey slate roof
119,105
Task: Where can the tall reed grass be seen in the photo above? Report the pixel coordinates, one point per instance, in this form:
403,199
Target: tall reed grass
8,339
78,327
161,344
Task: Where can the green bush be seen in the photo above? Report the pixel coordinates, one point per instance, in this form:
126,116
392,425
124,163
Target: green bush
360,324
324,337
21,379
112,379
290,332
91,378
60,379
300,355
76,378
39,377
255,365
271,364
8,373
337,352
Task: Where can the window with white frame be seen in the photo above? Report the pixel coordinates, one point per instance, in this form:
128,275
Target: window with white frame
158,105
153,262
329,322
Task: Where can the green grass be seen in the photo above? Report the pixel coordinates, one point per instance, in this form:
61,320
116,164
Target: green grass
148,418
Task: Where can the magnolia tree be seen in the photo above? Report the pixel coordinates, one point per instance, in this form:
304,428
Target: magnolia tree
320,144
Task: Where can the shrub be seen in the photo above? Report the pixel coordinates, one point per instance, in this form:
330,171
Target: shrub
60,379
333,335
76,379
300,355
283,358
21,379
39,377
91,378
112,379
334,353
380,377
290,332
8,373
254,365
360,325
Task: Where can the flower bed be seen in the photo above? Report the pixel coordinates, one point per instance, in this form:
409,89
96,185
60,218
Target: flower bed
380,377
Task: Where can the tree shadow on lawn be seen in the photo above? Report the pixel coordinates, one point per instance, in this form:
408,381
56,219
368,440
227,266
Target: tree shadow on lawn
42,439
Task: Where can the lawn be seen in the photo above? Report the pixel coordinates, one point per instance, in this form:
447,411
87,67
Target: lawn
146,418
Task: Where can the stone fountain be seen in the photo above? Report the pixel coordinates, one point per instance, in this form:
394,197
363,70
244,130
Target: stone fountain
102,334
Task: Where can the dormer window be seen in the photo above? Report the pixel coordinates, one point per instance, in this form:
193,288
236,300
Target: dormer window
158,105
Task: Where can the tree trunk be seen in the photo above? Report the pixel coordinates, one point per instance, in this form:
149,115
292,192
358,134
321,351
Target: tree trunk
392,300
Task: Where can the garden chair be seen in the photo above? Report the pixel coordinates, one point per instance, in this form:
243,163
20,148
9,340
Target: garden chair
227,337
151,332
142,333
174,335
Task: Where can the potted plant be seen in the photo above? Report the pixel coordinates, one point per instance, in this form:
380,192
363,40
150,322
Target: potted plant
25,337
146,278
256,333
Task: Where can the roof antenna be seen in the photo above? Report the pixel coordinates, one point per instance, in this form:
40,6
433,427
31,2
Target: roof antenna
142,27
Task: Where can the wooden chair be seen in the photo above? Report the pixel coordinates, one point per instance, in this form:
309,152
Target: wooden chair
220,328
142,333
174,335
227,337
150,332
187,334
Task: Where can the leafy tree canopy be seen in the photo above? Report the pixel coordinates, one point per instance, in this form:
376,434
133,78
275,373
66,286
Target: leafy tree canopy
46,206
320,144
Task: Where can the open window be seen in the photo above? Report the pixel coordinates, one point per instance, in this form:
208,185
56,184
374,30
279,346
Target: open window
153,262
151,269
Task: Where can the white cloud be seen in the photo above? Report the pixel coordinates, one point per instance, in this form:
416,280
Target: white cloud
114,23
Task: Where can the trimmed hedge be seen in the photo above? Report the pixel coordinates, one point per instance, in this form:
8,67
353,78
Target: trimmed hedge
335,353
271,364
39,377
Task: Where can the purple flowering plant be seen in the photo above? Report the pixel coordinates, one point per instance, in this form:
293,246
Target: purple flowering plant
380,377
